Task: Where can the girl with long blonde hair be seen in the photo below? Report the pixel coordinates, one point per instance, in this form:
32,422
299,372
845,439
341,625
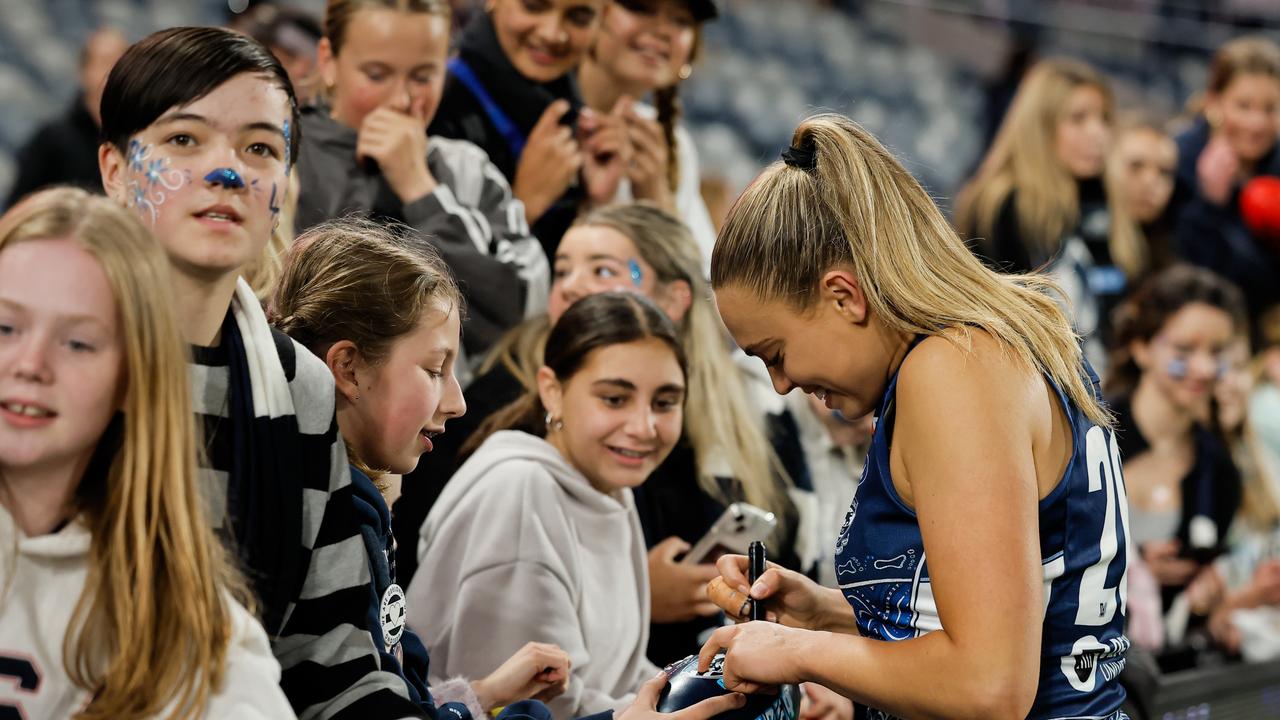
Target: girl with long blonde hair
1040,200
98,493
982,563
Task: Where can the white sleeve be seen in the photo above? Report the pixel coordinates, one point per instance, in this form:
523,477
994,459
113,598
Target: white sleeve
251,681
689,203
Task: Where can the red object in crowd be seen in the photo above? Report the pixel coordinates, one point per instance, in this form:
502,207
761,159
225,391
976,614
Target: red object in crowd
1260,207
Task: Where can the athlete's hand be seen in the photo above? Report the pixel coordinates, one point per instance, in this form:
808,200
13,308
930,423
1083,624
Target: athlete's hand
819,702
549,163
645,706
757,655
790,598
678,591
538,670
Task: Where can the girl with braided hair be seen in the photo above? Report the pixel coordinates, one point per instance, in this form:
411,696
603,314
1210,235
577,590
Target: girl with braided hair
645,48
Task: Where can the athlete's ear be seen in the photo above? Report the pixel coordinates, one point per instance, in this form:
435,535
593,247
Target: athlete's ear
842,290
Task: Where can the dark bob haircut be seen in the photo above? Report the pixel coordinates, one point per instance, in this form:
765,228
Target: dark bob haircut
178,66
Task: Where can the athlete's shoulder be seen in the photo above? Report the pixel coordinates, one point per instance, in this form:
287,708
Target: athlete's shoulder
964,361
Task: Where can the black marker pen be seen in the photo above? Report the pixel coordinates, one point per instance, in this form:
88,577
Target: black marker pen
756,558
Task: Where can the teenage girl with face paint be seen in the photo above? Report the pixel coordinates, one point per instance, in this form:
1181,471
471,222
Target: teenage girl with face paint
200,129
1240,592
1172,336
982,563
724,455
116,598
367,150
1040,201
1234,141
645,48
510,90
384,316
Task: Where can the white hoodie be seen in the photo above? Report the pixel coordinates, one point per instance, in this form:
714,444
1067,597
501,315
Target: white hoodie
520,547
39,589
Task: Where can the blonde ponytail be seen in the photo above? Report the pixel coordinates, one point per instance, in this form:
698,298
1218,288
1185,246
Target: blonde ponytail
859,208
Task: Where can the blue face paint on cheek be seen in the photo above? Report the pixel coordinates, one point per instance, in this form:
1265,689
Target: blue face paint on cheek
226,177
1177,368
636,275
151,179
137,154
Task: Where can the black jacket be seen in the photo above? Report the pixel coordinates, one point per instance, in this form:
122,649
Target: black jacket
63,151
462,116
1215,236
1212,488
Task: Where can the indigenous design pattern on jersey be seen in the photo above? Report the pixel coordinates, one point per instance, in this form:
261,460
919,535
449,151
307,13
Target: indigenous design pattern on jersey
1084,539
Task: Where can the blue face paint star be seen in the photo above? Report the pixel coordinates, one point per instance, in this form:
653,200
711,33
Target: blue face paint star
137,153
225,177
154,168
636,275
1177,368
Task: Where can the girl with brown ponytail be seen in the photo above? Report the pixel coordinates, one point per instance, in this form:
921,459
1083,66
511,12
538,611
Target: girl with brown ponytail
645,48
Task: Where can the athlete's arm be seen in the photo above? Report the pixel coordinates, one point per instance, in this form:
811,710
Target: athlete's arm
963,433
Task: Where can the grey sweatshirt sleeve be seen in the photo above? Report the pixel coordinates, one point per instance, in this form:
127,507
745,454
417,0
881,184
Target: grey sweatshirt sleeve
505,606
479,227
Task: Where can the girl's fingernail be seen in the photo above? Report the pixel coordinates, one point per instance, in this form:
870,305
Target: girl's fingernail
758,588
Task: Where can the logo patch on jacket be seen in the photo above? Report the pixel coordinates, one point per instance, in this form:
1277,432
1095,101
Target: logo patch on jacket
393,616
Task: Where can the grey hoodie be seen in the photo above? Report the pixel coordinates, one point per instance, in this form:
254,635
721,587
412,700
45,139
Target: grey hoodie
471,218
520,547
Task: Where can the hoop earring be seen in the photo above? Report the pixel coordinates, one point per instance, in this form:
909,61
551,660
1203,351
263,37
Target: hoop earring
553,423
685,71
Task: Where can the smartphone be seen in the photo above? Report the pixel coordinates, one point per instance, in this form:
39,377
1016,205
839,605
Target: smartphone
733,532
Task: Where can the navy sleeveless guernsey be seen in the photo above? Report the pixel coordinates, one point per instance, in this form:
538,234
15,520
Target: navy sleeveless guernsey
1084,540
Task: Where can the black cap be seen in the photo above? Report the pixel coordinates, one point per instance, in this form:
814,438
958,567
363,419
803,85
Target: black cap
704,10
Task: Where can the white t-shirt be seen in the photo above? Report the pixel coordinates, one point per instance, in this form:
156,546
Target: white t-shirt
41,585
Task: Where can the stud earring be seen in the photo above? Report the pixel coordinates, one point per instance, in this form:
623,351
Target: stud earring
685,71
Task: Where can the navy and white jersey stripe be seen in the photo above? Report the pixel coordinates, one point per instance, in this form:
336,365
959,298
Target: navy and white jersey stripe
883,571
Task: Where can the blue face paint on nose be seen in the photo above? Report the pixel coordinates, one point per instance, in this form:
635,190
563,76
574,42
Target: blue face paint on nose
225,177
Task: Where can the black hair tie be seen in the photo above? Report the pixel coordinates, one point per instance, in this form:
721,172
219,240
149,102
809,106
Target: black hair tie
804,157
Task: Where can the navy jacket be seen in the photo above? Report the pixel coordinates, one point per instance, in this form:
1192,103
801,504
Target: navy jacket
401,649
